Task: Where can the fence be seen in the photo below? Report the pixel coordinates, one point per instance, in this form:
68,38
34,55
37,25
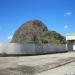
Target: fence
16,48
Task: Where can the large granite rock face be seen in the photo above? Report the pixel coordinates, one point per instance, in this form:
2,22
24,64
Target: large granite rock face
30,32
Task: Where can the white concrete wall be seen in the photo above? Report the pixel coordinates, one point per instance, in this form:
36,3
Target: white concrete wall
16,48
74,47
70,37
1,48
51,48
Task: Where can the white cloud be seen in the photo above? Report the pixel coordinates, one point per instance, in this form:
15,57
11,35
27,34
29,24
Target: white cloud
66,26
10,37
67,13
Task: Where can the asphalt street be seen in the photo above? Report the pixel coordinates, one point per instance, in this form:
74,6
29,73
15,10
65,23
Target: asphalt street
68,69
51,64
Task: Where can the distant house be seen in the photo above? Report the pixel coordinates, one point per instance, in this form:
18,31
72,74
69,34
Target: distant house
70,39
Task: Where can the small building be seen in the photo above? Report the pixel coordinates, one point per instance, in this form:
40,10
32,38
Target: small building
70,39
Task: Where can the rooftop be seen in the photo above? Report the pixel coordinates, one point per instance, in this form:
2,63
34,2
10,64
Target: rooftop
71,34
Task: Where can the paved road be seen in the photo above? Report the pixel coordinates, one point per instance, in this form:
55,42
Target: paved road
68,69
31,65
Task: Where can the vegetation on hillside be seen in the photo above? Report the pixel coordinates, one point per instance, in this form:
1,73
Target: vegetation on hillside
34,31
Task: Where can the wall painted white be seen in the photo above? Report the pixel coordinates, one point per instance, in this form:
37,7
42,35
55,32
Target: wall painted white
74,47
16,48
70,37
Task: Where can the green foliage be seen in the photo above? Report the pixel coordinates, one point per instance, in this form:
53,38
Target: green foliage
56,37
34,31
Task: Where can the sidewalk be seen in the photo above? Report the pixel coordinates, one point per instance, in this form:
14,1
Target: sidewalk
29,65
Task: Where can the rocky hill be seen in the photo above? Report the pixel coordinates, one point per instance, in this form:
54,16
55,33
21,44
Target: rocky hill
35,31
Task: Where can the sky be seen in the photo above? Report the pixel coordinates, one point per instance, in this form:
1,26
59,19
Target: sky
57,15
